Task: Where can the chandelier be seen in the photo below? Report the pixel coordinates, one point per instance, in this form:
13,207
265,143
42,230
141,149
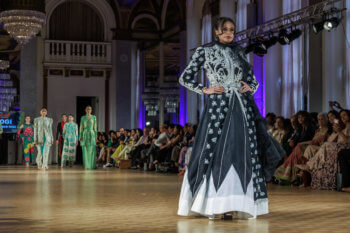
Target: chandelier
171,105
22,25
151,107
23,20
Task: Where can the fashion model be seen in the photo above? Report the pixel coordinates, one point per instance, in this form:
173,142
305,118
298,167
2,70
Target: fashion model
233,155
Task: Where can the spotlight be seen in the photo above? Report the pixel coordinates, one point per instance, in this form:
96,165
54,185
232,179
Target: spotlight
330,24
282,37
270,42
249,48
260,47
317,27
294,35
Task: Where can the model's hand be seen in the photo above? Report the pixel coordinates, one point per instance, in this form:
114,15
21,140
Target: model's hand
214,90
79,139
245,88
56,141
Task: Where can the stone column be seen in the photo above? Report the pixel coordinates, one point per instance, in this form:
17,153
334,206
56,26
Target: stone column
182,90
31,77
160,82
125,108
112,87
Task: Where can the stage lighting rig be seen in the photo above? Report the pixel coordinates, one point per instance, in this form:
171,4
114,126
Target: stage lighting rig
318,27
283,37
331,23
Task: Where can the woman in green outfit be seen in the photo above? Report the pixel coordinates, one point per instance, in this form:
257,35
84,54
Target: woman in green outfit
70,136
87,138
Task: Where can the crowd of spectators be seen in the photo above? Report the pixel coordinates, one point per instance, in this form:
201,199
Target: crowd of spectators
167,148
317,148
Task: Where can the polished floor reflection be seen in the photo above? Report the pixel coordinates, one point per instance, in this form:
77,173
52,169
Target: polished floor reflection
113,200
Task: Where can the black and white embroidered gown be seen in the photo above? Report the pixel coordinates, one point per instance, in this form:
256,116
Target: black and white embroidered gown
233,155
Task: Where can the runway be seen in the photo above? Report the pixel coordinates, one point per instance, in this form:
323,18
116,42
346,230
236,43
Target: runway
114,200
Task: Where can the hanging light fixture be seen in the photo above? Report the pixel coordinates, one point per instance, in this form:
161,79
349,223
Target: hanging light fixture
171,105
4,61
22,19
331,23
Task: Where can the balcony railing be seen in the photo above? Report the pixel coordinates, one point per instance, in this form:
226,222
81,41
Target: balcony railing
77,52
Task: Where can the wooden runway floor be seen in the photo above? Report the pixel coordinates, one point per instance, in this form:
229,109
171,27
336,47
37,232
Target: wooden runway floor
114,200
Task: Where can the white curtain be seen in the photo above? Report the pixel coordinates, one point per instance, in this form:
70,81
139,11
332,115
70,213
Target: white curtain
241,17
347,54
292,68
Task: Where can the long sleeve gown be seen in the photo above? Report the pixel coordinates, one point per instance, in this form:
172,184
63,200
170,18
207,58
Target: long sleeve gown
88,133
233,155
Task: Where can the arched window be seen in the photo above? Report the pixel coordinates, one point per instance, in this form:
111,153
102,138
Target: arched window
76,21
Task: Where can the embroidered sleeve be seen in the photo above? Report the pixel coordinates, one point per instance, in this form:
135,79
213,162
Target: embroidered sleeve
251,80
187,78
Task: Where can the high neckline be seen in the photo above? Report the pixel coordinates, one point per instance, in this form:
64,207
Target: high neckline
232,44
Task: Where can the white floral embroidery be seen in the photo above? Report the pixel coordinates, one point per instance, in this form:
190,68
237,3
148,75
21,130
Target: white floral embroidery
221,66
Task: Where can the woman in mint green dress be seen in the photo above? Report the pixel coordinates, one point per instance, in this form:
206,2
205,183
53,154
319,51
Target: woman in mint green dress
87,138
71,137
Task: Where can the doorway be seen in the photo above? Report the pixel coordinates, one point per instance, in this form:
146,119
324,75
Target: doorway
82,102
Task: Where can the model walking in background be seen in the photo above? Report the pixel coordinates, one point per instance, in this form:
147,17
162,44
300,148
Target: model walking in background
43,138
71,139
87,138
26,134
59,137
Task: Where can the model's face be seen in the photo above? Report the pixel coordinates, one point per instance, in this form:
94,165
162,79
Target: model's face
344,117
71,118
88,110
28,119
226,33
322,121
43,112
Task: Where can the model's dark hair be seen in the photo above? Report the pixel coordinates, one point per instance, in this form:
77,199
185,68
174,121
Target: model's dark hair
71,115
221,21
43,108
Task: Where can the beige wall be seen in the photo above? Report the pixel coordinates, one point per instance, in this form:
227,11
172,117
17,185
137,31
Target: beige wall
63,92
